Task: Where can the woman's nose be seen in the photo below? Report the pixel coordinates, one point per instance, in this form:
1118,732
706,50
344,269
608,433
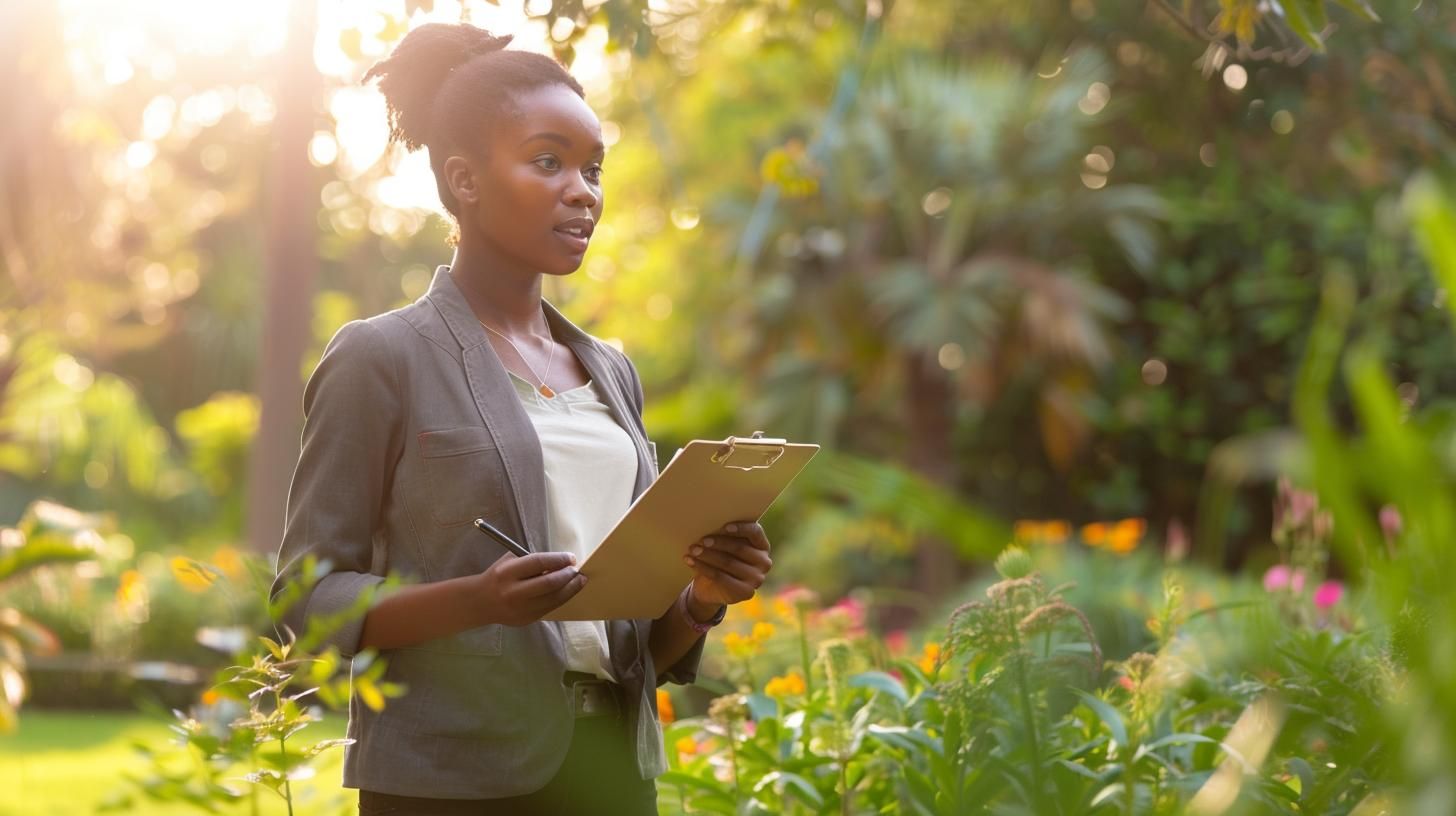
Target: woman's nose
581,194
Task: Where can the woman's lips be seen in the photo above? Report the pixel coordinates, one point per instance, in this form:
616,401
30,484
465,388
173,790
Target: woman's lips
577,243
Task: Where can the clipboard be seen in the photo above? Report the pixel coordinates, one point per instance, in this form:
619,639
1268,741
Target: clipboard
638,571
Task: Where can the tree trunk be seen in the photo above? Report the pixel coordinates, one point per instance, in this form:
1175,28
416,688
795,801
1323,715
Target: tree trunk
929,403
290,268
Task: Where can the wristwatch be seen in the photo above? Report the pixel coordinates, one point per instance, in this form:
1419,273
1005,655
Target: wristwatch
699,626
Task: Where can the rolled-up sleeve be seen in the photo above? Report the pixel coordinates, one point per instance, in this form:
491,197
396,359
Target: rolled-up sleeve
352,438
685,670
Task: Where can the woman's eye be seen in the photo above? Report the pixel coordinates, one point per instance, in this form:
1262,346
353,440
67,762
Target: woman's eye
548,163
594,174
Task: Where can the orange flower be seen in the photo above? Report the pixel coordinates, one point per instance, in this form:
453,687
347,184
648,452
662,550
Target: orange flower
763,630
1053,531
664,707
752,608
789,685
1095,534
210,697
929,657
1125,535
686,746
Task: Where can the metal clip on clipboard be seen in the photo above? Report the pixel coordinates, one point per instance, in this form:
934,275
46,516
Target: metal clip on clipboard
752,453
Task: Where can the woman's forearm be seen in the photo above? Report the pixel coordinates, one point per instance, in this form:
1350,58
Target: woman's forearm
672,637
422,612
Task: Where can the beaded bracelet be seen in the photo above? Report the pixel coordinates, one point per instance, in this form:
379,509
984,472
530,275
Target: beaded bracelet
699,626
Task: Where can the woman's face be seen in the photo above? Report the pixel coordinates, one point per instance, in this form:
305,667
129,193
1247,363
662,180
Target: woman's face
537,186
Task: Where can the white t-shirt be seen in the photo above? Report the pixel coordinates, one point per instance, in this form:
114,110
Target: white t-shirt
591,469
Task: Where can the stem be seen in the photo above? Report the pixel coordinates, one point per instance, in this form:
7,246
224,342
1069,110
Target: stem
1026,714
804,653
287,786
1128,790
844,787
283,749
253,789
808,675
733,759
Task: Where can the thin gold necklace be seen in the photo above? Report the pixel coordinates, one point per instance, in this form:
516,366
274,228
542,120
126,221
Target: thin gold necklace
544,389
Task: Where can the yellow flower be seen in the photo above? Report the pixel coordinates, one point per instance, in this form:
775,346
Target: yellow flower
194,576
228,560
783,610
929,657
763,630
132,589
686,746
664,707
739,646
789,685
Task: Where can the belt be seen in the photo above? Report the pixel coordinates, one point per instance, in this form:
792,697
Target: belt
591,696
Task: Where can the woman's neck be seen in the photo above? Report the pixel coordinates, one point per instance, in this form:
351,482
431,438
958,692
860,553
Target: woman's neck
503,297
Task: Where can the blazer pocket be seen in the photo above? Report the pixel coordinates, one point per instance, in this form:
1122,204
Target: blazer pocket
464,471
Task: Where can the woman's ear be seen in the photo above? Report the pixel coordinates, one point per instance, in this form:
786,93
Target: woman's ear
460,177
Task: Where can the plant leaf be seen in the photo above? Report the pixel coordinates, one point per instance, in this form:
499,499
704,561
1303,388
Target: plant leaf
1107,714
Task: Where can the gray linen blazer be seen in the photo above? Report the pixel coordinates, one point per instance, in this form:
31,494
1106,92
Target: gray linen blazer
412,429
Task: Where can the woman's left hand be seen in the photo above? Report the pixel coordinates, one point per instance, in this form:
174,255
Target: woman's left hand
731,563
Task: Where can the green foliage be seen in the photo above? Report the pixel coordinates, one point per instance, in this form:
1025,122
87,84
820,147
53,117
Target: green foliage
1400,459
64,424
1229,710
244,728
218,433
47,535
1289,701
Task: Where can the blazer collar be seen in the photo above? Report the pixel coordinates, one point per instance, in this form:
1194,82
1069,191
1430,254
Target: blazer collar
466,328
500,407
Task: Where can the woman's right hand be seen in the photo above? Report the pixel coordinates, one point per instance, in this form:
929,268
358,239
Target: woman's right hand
517,591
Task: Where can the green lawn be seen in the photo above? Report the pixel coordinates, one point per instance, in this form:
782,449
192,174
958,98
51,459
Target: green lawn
68,763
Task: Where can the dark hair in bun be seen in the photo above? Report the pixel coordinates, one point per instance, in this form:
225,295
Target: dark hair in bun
445,83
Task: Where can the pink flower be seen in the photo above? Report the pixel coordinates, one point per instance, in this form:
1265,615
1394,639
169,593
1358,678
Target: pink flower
1276,578
1390,521
898,642
850,611
1328,594
1293,507
1280,577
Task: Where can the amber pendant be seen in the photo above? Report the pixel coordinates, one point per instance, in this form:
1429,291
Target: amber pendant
546,391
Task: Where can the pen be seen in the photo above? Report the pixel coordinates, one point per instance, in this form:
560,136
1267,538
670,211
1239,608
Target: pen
501,538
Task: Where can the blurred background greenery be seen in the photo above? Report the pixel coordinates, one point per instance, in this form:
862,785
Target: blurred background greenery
1052,260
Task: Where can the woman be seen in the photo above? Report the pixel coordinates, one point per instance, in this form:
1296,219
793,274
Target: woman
481,400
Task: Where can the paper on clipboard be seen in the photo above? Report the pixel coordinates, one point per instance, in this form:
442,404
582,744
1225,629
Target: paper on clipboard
638,570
